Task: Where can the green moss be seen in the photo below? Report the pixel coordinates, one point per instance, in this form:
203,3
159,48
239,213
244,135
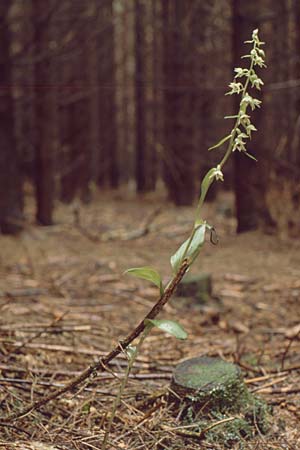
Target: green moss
211,383
253,420
212,390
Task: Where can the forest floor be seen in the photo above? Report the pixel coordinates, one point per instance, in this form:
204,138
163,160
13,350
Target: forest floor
64,303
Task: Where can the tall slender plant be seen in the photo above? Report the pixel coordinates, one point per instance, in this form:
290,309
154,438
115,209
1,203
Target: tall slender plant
187,253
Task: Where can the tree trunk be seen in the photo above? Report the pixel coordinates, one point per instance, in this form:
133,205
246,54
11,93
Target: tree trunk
10,176
157,106
246,174
23,82
178,153
109,162
295,91
46,116
142,148
68,179
93,78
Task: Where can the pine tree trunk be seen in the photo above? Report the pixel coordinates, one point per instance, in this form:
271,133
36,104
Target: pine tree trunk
157,107
46,114
179,148
142,149
246,175
109,161
10,177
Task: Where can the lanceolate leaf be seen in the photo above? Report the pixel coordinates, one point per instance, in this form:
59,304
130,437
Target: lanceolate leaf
221,142
147,273
232,117
250,156
193,248
206,182
168,326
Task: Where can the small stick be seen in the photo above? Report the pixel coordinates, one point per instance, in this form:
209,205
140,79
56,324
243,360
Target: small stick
271,383
263,378
23,344
201,434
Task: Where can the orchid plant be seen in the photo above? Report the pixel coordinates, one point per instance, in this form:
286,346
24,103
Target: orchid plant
244,80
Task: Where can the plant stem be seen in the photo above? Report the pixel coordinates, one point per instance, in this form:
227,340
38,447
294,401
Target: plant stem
221,164
123,384
233,133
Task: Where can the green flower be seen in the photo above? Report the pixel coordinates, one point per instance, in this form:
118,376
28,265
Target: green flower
217,173
247,100
236,88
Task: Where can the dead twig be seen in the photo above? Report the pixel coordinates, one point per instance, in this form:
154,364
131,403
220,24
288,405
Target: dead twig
284,390
263,378
271,383
143,230
181,431
24,292
23,344
145,227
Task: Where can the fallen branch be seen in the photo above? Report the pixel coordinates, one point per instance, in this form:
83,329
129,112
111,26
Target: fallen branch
117,235
32,338
26,292
101,364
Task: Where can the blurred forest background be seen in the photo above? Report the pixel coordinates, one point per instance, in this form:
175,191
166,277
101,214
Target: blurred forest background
101,94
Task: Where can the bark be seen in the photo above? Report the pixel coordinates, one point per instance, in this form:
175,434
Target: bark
93,76
179,149
157,105
295,92
142,149
10,176
69,163
46,116
144,58
109,161
246,175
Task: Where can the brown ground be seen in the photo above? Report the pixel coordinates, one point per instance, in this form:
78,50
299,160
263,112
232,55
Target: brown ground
64,302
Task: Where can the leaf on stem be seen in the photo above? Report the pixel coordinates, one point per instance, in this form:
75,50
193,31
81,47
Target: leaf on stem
206,182
168,326
190,248
221,142
147,273
250,156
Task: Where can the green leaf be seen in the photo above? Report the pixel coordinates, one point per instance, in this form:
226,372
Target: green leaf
206,182
146,273
193,249
232,117
250,156
221,142
130,351
168,326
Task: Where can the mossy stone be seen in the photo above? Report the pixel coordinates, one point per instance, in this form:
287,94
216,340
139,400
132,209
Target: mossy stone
206,390
197,286
209,383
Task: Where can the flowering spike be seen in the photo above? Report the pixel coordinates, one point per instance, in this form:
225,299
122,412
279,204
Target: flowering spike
243,127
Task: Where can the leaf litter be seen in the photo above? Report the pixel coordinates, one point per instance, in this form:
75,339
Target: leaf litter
64,303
